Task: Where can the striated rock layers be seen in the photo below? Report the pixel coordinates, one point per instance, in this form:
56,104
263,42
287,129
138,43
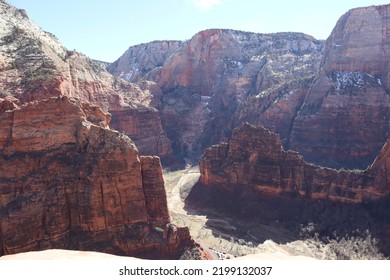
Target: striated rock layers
330,102
68,181
345,119
141,59
35,66
253,180
205,79
142,124
254,158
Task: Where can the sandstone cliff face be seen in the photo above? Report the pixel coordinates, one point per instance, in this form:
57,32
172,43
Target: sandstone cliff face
202,62
143,125
35,66
254,158
219,69
330,103
380,169
139,60
207,78
275,108
345,119
68,181
251,178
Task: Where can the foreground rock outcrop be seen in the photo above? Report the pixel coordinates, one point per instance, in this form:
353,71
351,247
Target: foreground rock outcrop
68,181
254,158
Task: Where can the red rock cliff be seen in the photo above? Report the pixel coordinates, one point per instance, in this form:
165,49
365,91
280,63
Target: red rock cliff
68,181
344,120
329,102
205,79
254,158
35,66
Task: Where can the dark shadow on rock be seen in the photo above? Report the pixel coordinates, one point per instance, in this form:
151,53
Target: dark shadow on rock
256,216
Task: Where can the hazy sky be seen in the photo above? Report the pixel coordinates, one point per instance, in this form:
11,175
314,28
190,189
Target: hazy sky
104,29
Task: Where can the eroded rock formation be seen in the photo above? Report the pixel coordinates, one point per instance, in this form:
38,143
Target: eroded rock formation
68,181
141,59
345,119
205,79
35,66
330,102
254,158
253,181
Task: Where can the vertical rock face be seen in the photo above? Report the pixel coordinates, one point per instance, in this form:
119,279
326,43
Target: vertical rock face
254,158
345,119
380,169
218,70
214,58
329,102
142,124
139,60
207,78
153,186
68,181
360,41
35,66
276,108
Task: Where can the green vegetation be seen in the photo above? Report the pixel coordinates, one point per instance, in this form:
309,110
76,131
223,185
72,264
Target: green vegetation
29,57
38,74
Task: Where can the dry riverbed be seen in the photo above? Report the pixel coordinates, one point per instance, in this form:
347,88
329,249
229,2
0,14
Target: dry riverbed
217,234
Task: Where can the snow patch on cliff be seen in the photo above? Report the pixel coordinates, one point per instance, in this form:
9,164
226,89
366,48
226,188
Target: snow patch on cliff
349,79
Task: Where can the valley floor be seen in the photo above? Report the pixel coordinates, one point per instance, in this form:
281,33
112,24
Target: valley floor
221,235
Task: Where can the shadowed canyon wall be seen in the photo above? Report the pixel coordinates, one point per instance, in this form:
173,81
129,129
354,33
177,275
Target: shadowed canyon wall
253,157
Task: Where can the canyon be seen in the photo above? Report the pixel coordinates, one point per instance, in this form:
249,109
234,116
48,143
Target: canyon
291,134
327,100
253,182
205,80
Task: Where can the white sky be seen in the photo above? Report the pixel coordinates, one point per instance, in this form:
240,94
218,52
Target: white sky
105,29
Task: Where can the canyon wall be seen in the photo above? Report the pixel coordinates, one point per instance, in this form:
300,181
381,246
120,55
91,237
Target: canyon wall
68,181
345,119
254,158
252,180
35,66
327,100
207,78
141,59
